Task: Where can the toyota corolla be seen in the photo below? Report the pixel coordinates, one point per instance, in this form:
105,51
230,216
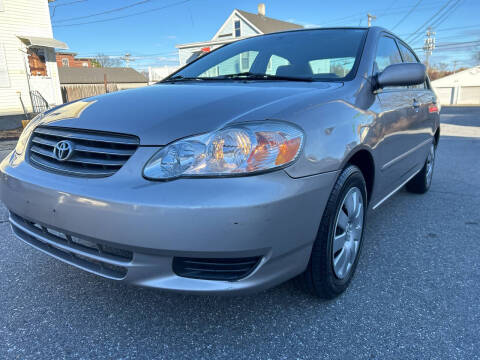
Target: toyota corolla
252,165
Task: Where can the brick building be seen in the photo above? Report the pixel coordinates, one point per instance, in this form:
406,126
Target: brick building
68,59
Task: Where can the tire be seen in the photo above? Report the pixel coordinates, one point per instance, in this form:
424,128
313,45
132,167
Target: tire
323,277
421,182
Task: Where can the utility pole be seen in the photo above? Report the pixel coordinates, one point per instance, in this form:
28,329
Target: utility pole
127,58
371,17
429,45
454,69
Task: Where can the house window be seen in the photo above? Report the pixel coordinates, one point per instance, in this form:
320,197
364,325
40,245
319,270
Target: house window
85,64
2,8
245,61
37,62
65,62
237,28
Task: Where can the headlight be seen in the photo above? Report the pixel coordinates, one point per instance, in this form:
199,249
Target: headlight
237,150
27,131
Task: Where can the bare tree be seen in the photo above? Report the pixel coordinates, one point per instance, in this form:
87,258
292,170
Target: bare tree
103,60
442,69
476,57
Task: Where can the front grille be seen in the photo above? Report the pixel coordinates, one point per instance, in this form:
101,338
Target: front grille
94,154
227,269
100,259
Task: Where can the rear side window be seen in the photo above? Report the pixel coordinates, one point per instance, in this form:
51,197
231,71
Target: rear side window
387,53
407,55
236,64
274,63
333,67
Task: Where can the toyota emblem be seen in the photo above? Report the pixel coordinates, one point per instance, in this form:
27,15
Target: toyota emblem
63,150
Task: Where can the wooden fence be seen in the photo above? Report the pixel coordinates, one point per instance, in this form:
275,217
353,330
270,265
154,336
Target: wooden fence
80,91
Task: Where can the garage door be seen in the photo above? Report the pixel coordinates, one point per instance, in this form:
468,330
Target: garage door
444,95
469,95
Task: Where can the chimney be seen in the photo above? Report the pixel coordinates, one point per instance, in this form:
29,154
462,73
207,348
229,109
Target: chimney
261,9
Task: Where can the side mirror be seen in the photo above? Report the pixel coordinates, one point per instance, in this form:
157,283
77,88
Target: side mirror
404,74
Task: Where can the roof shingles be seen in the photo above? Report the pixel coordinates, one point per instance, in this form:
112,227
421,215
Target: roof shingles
268,25
96,75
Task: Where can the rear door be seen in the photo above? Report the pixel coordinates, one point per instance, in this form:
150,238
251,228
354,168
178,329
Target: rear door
421,130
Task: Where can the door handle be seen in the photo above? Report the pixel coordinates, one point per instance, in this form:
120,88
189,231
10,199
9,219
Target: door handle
416,105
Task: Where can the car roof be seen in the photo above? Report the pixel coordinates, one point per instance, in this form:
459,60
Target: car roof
375,29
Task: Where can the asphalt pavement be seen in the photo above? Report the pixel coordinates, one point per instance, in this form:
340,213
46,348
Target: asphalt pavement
416,293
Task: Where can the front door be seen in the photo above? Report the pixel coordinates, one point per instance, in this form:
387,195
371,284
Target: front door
397,116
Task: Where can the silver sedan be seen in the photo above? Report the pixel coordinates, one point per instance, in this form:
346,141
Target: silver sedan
254,164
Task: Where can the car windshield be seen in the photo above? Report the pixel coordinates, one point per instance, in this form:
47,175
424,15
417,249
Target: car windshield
309,55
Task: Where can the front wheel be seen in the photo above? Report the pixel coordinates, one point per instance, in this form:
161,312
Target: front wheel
337,247
421,182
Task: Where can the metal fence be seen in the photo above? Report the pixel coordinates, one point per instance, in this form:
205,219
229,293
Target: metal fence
39,103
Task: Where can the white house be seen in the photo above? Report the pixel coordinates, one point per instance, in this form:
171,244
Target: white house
459,88
27,56
240,24
156,74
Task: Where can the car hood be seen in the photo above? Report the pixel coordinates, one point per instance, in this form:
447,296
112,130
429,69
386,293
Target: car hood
163,113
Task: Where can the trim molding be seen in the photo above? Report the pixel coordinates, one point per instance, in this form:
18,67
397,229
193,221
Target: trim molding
395,190
405,154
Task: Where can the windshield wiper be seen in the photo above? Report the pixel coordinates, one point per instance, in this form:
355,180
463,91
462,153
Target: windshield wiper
238,76
178,78
254,76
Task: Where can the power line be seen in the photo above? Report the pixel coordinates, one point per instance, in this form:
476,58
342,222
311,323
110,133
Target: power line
425,24
383,11
407,14
55,6
126,16
441,19
103,12
448,13
474,42
448,29
455,45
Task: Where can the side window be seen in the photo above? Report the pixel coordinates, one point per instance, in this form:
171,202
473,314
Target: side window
387,53
408,56
273,64
236,64
332,67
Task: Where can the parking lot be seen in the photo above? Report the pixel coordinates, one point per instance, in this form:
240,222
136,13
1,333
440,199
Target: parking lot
415,294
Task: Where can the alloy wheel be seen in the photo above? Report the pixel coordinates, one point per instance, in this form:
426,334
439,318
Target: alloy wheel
348,232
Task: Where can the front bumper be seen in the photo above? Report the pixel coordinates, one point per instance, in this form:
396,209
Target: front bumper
271,216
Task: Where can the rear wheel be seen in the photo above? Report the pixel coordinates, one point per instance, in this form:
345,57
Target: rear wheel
421,182
336,250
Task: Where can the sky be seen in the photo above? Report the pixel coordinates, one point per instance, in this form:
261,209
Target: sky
150,29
